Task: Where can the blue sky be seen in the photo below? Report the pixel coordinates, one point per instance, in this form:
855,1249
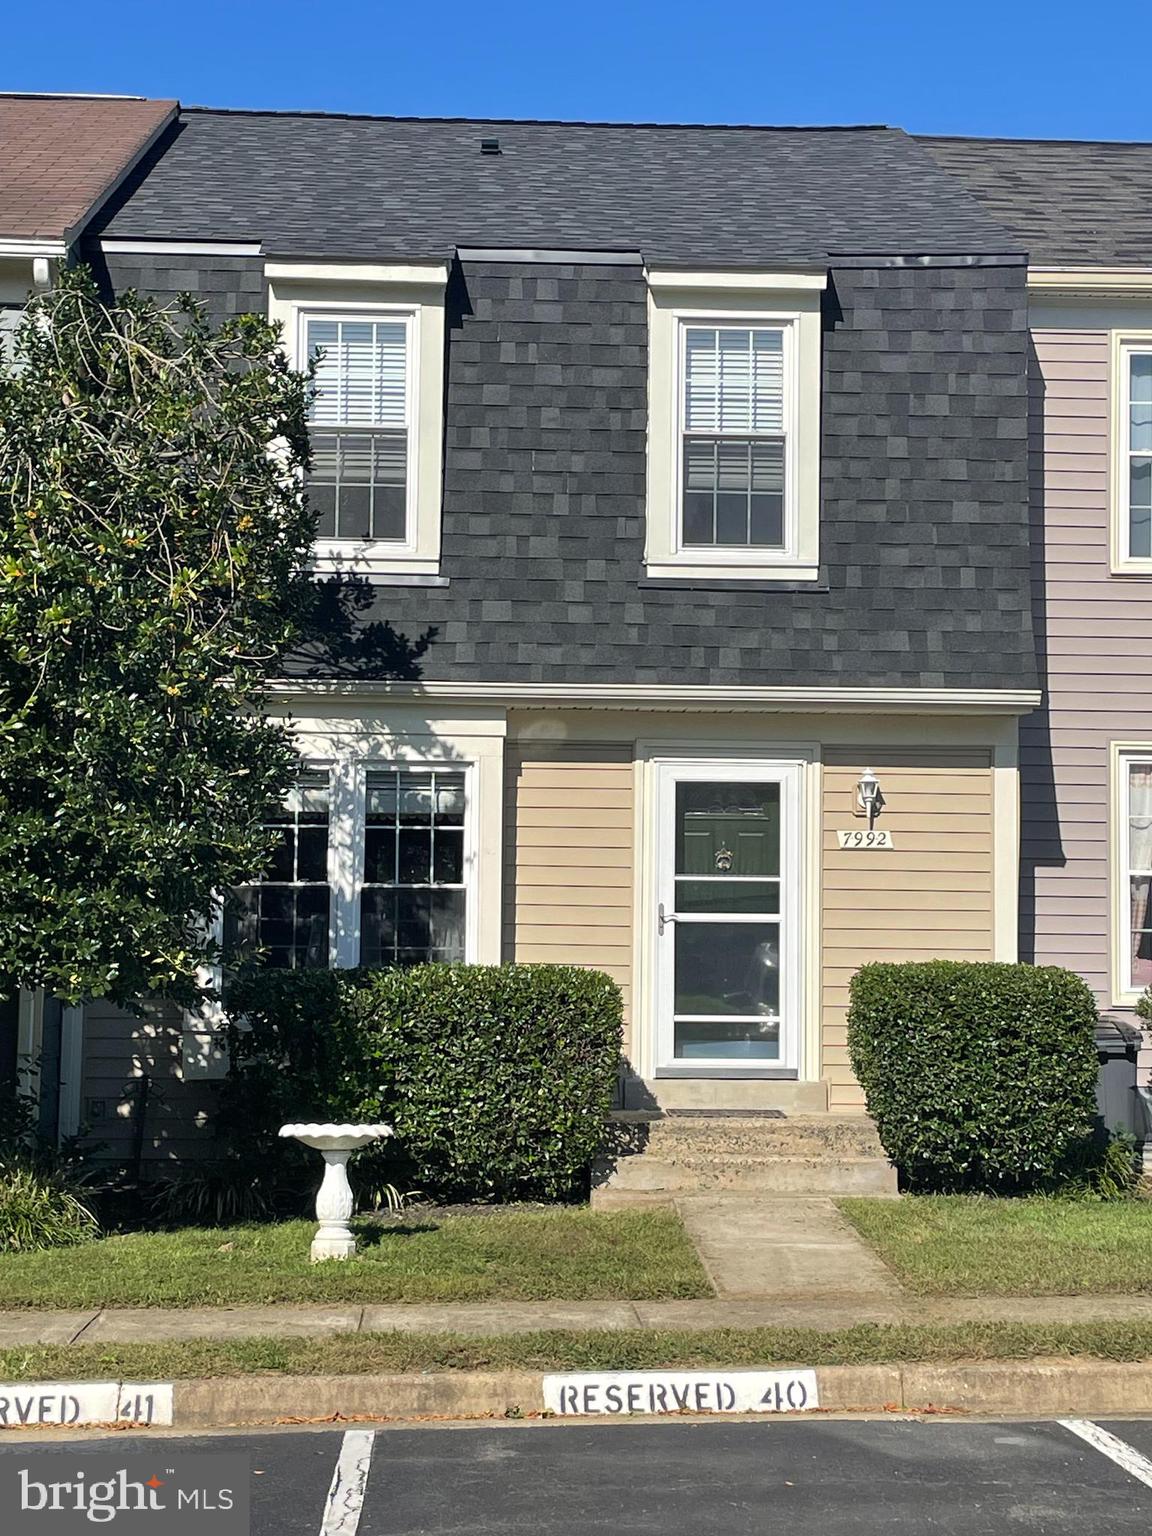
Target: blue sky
1017,67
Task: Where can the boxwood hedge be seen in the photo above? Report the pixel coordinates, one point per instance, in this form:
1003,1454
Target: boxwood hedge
497,1079
978,1075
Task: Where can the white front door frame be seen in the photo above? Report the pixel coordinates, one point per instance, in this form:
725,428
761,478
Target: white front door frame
659,762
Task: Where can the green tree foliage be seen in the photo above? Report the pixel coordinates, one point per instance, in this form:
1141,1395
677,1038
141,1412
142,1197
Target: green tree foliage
152,536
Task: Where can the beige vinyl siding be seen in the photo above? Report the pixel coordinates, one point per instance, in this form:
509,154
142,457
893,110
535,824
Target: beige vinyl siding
118,1049
1098,653
568,888
929,897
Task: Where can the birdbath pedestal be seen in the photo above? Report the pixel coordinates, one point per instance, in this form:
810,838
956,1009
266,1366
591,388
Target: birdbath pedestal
335,1143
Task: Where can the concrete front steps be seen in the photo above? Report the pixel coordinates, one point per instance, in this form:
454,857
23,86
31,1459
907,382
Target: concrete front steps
651,1154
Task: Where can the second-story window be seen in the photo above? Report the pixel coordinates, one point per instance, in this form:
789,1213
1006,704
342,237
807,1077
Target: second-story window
1138,452
361,425
734,437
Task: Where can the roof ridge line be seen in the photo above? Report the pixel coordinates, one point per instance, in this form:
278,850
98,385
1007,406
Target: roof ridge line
541,122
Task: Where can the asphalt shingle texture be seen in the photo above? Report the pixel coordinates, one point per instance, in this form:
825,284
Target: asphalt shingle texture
924,506
59,155
394,189
1068,204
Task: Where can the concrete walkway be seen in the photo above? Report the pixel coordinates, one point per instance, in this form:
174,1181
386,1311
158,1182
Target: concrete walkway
152,1324
788,1249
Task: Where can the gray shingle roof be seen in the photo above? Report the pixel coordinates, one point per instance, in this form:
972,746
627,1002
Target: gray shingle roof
390,188
1070,203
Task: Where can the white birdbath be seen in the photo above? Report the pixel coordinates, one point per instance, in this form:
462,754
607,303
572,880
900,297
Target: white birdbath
335,1143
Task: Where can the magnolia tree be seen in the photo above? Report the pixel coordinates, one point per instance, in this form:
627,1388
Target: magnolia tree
152,542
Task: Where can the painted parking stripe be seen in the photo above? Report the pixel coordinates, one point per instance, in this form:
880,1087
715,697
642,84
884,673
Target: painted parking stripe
1119,1451
349,1482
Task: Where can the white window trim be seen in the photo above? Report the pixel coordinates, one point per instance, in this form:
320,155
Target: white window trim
1124,994
791,301
299,291
352,749
1123,344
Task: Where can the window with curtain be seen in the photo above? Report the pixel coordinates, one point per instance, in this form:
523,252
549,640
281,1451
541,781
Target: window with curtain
734,437
283,918
1138,431
414,897
1139,881
360,425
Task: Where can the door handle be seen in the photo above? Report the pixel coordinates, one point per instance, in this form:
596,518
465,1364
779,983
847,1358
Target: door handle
663,917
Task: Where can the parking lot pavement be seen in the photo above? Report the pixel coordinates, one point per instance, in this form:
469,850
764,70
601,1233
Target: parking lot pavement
836,1477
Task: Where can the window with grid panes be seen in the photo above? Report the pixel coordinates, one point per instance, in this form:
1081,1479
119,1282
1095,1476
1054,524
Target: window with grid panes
1138,435
283,918
360,425
413,900
734,437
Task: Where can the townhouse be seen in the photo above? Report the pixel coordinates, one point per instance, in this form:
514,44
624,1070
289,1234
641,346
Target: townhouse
677,508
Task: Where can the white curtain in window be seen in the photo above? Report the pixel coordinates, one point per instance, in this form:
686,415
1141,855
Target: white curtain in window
362,375
734,379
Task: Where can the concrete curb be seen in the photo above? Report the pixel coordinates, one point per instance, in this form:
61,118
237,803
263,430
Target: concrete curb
1021,1388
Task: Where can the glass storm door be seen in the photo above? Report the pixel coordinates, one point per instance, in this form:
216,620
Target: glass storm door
726,916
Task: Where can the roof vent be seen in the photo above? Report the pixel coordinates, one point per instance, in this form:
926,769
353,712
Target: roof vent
490,146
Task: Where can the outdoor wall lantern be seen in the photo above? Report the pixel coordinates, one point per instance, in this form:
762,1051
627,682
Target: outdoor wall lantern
869,798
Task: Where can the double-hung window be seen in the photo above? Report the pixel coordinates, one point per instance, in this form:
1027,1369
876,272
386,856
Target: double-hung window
376,423
1133,491
734,455
414,897
361,419
371,866
283,917
1133,887
733,426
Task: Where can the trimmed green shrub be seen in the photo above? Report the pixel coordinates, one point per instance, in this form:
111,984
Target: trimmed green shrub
497,1079
979,1076
41,1210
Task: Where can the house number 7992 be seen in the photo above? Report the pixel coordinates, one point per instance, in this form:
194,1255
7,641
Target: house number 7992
859,838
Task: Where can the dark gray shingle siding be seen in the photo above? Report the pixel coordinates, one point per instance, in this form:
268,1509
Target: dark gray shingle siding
387,189
924,521
1068,204
924,530
225,285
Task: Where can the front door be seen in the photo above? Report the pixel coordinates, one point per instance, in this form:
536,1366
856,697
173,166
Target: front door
727,915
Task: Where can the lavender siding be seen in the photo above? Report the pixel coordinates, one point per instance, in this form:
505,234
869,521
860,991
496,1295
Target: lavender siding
1095,634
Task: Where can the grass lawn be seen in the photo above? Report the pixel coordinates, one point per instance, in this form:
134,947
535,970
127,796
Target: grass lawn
567,1253
960,1245
366,1353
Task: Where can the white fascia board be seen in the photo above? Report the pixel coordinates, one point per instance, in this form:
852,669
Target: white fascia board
127,246
1123,281
408,275
1013,701
54,250
808,281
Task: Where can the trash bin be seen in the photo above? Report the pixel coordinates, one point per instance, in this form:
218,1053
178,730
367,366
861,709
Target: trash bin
1117,1101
